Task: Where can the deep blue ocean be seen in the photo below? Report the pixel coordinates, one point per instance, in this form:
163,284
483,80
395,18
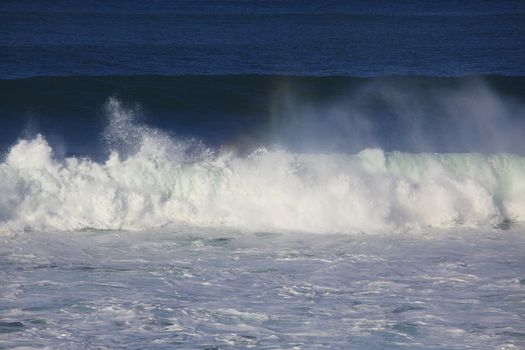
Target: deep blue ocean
306,38
262,174
222,71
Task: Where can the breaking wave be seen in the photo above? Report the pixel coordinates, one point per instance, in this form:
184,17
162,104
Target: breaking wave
151,180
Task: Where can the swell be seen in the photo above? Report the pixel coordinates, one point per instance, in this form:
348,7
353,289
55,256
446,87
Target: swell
156,88
219,93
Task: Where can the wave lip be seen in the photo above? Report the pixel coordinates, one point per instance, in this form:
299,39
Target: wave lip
159,185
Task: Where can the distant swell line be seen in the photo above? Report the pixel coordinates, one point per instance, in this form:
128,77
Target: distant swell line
229,93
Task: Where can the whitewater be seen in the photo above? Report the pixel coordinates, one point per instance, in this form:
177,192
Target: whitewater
168,243
152,180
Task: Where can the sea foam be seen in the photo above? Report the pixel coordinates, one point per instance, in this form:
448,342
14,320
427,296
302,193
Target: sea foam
151,180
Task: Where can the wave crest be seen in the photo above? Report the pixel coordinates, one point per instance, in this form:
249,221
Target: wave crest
164,181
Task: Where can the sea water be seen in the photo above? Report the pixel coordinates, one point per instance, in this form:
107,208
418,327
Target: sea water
177,245
214,288
277,175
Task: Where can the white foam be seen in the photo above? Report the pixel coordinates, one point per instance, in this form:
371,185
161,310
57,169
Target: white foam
160,182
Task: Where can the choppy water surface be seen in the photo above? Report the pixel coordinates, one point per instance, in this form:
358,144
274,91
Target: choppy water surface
160,162
221,289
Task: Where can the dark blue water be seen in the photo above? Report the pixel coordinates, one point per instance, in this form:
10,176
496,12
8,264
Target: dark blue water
255,37
221,72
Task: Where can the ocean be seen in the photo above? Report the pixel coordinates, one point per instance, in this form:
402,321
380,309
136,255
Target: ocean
269,175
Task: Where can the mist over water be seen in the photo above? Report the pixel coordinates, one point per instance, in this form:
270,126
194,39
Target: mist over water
405,114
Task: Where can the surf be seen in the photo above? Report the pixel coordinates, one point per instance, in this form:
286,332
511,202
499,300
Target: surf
151,180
